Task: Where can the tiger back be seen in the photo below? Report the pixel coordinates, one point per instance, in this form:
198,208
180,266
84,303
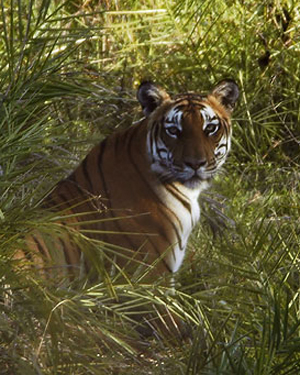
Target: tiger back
138,189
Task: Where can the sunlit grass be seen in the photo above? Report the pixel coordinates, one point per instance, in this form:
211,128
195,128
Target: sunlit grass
68,77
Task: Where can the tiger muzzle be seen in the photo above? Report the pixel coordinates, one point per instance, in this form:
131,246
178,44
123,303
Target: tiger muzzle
195,164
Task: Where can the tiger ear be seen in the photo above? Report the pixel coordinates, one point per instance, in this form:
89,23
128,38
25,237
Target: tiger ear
151,96
227,92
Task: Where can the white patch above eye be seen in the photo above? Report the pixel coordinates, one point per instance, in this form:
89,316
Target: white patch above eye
172,123
174,117
209,117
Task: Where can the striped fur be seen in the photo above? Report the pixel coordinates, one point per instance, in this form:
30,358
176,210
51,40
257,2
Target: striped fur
139,188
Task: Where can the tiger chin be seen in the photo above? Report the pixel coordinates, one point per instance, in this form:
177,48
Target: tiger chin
138,189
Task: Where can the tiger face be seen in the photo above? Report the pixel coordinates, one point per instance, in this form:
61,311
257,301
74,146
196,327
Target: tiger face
189,137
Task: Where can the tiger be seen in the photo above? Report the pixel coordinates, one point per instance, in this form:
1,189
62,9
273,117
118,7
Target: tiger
138,190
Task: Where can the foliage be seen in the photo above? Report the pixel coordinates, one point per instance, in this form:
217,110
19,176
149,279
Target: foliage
68,76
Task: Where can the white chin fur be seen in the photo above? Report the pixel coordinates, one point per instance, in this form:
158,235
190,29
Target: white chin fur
196,184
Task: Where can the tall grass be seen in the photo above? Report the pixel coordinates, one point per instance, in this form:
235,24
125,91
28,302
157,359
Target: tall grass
68,77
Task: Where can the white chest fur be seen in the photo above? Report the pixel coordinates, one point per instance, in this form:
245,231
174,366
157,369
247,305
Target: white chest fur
185,207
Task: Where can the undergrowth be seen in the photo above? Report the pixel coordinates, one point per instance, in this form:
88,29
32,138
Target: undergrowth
68,77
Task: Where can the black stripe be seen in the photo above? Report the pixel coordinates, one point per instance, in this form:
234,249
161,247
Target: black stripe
181,107
154,134
63,198
110,211
151,143
84,166
102,149
87,198
79,189
156,130
66,254
225,126
153,193
159,255
67,259
74,200
52,201
179,196
116,146
28,254
40,247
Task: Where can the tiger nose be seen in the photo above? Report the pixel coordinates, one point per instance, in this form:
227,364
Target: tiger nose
195,164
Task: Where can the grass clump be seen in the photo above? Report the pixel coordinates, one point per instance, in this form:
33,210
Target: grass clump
68,76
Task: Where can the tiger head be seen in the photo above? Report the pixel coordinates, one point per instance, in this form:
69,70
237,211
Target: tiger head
188,136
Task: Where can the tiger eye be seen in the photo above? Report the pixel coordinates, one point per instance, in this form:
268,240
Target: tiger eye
173,131
211,129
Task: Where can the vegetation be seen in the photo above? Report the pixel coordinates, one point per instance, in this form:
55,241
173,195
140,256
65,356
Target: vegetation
69,71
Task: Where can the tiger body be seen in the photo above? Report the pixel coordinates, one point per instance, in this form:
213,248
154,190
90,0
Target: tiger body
139,188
